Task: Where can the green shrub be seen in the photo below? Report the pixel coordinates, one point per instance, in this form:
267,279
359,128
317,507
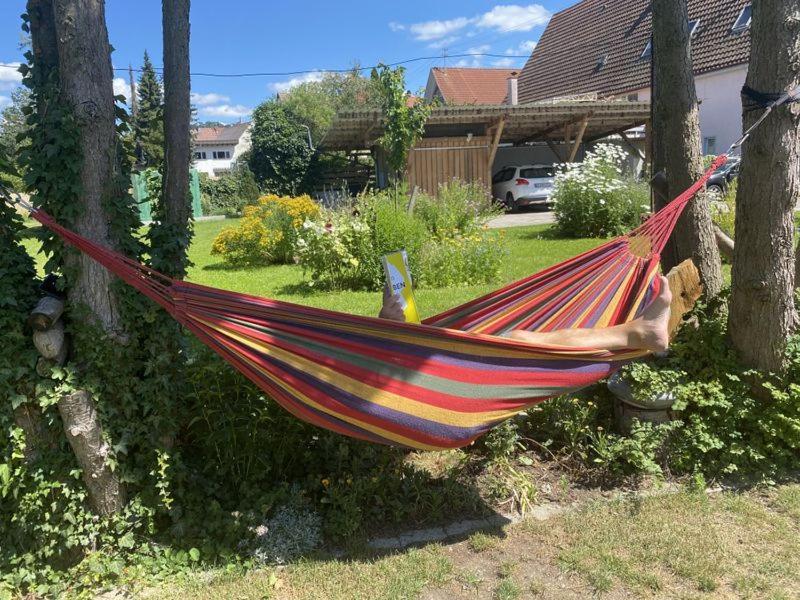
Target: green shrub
447,243
594,199
230,193
267,233
459,208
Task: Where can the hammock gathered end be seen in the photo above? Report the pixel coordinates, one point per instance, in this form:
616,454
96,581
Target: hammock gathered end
433,386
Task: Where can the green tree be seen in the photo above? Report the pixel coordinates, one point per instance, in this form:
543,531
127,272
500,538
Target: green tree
280,155
12,131
315,103
148,123
404,122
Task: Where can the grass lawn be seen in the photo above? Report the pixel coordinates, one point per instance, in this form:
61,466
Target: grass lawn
530,249
744,545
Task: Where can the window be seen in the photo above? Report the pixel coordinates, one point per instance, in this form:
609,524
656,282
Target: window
648,49
633,97
710,145
537,173
693,27
743,22
199,155
221,154
601,62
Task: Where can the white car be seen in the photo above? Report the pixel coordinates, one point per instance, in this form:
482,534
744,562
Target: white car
523,186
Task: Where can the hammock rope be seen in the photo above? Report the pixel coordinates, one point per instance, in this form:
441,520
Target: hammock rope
436,385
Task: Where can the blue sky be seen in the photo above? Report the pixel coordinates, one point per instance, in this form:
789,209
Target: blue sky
241,36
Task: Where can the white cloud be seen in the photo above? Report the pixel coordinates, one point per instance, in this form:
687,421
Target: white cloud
503,18
226,111
208,99
285,86
513,17
524,49
444,42
504,62
435,30
9,76
473,61
122,88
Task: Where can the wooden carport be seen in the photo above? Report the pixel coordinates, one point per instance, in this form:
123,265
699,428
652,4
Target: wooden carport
462,141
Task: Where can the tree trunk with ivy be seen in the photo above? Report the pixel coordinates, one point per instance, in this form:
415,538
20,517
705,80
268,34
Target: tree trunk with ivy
762,312
176,214
676,149
85,77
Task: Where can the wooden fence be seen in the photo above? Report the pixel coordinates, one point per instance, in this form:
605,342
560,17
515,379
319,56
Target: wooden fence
434,161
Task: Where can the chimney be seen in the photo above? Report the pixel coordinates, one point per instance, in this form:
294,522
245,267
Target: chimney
513,89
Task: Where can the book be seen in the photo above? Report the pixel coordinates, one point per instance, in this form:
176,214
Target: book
398,278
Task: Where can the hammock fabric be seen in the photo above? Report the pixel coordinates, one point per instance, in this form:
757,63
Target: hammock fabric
433,386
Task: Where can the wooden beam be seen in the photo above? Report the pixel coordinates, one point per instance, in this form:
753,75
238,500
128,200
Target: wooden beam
498,132
554,149
578,140
548,130
600,136
630,145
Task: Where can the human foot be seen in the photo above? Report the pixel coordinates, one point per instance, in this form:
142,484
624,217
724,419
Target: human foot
653,325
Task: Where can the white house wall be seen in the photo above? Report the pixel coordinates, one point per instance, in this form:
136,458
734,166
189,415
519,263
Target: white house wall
720,106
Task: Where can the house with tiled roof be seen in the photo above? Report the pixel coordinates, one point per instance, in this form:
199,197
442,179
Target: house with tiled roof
469,86
602,49
217,148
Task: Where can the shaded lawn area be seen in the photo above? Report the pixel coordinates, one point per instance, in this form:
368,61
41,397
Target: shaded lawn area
680,545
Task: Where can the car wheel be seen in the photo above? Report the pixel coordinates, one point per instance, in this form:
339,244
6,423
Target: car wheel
716,191
511,204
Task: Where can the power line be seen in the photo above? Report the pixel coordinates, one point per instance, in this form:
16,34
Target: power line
312,71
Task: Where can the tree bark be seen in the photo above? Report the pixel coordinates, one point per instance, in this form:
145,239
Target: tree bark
762,313
676,150
85,435
177,141
84,59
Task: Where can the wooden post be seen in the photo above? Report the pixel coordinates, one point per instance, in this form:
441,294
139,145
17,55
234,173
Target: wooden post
578,140
555,150
498,132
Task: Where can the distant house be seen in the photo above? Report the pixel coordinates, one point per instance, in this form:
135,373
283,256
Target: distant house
216,148
468,86
603,48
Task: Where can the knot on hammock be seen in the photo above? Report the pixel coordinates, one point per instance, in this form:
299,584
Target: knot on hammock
756,100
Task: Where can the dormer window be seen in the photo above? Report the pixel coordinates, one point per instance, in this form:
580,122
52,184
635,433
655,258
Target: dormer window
743,22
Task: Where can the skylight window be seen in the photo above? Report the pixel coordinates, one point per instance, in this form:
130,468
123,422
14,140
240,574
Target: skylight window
693,27
743,22
601,62
648,49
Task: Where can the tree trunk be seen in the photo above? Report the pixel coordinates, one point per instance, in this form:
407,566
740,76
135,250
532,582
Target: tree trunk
85,435
676,150
84,58
762,313
177,142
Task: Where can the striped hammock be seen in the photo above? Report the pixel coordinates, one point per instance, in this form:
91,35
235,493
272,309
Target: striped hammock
432,386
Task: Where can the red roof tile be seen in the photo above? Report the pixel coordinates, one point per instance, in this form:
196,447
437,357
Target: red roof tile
566,60
226,134
472,86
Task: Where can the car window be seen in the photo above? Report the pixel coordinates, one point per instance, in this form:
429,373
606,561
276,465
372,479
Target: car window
501,176
537,172
510,172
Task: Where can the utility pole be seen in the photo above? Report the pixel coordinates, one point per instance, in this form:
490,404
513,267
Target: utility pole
133,90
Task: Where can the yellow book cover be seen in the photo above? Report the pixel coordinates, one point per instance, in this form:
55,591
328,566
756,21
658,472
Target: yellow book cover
398,278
